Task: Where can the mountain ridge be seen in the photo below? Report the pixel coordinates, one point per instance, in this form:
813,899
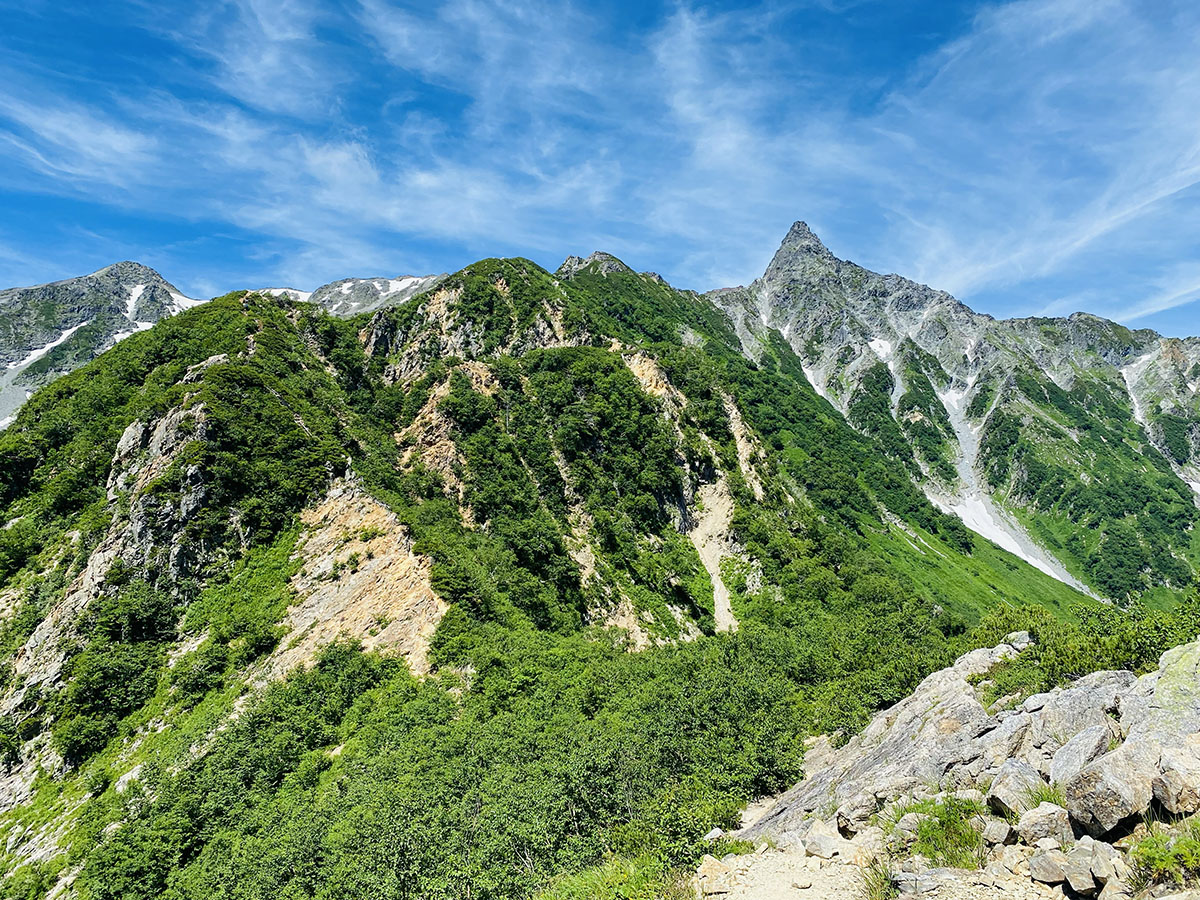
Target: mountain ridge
460,595
923,369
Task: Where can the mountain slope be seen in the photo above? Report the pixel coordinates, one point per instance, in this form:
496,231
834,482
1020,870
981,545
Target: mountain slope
50,329
1069,441
234,536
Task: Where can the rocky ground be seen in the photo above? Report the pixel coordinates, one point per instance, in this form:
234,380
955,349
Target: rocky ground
1051,791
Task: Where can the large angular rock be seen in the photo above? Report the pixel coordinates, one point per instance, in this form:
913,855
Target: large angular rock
1049,867
1070,759
714,877
1177,785
1047,820
997,831
824,842
1085,704
1012,787
1079,876
1161,715
930,737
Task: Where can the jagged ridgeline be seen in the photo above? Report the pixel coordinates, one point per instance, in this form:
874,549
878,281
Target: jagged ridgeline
1073,442
452,597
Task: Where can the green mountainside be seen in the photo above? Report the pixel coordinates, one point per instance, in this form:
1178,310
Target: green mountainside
1074,442
524,583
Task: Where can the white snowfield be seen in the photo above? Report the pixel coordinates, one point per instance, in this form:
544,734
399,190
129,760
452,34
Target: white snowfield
135,294
37,354
181,302
977,509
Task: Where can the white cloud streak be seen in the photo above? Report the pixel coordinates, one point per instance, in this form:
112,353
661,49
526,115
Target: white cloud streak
1051,152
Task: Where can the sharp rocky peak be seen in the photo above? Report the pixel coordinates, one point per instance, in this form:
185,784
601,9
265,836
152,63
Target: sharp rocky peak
799,243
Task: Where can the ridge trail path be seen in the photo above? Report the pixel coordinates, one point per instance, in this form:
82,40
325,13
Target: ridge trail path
789,875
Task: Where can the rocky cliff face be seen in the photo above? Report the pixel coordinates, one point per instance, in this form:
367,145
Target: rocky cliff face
50,329
1022,427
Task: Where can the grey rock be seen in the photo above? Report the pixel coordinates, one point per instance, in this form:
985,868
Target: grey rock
1070,759
930,737
1086,703
822,841
1177,784
1049,867
1079,876
1045,821
929,881
997,831
1019,640
1012,786
1161,714
910,822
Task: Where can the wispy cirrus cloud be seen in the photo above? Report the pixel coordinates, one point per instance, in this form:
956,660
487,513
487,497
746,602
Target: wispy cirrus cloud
1041,152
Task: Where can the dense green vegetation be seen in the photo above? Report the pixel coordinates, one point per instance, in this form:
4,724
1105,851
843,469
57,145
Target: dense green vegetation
540,758
1125,529
1098,638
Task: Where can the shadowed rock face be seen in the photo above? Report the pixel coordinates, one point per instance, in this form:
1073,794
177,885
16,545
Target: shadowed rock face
1120,742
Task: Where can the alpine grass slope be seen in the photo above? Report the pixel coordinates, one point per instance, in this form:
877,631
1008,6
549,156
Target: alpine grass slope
522,575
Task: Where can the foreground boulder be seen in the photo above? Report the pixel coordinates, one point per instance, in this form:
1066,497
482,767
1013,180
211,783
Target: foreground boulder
1113,742
1158,759
1046,821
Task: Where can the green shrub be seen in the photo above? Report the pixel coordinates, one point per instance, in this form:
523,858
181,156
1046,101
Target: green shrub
1168,854
877,883
621,878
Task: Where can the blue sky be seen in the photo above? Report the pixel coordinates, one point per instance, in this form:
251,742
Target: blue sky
1032,157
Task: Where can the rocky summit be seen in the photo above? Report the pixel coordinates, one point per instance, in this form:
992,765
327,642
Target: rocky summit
512,583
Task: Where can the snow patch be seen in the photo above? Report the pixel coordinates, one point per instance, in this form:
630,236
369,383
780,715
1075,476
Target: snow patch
137,326
135,294
975,506
42,351
179,302
292,293
817,379
6,421
882,348
402,284
1131,373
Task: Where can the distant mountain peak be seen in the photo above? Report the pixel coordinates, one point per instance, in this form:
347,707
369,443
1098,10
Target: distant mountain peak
801,239
128,268
599,261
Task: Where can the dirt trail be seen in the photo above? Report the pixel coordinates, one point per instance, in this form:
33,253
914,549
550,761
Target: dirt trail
779,874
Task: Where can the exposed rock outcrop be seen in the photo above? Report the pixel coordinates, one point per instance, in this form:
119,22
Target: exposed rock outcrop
1120,742
361,579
